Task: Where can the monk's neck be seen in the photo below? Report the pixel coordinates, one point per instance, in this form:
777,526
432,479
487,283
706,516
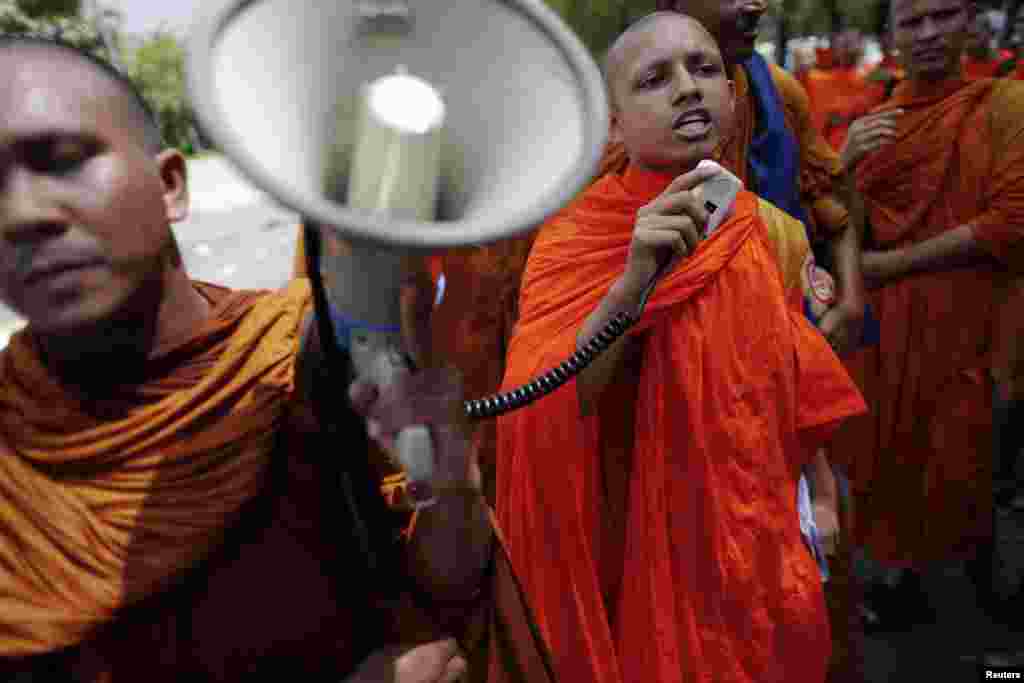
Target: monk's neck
114,352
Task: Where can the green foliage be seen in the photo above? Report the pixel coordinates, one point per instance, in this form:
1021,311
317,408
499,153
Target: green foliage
158,68
48,9
44,20
598,22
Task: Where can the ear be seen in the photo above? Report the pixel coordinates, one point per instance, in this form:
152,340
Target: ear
174,174
732,97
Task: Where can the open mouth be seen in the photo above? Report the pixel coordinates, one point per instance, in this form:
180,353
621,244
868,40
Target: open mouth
693,123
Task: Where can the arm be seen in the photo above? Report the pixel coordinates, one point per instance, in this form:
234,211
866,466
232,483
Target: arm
825,500
957,248
826,191
668,227
591,383
449,550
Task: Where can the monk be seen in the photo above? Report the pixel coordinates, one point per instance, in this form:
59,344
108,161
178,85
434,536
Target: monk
175,503
841,94
981,59
778,153
700,572
944,196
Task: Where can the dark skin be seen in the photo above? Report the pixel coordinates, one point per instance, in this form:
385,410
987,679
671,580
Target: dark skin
87,256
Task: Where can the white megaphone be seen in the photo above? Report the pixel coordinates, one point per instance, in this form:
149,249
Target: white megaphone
394,126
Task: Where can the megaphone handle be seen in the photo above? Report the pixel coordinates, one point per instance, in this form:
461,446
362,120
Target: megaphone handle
378,357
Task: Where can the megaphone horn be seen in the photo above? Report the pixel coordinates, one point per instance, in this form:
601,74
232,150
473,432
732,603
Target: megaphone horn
277,86
397,125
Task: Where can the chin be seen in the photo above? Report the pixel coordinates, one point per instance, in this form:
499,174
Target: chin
74,315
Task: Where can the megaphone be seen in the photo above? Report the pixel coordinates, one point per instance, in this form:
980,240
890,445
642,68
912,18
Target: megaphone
295,93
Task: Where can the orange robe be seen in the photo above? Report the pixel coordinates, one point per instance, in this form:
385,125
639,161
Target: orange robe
839,96
187,529
820,169
699,572
921,463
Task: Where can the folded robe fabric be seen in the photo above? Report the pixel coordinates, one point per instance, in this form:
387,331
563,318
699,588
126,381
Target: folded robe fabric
128,543
921,461
709,580
100,511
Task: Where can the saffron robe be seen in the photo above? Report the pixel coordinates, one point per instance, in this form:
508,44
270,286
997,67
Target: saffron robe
186,530
921,462
700,571
839,96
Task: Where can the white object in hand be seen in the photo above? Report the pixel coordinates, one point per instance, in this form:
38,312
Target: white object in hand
718,194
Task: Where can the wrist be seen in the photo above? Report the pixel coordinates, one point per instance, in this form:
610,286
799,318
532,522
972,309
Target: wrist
625,293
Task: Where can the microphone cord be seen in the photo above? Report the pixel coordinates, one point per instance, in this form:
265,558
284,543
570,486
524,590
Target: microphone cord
499,404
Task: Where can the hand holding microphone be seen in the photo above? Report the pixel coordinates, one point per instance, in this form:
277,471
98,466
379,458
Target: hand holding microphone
673,225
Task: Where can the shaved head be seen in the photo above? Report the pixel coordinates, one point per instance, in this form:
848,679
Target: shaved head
614,55
140,113
671,99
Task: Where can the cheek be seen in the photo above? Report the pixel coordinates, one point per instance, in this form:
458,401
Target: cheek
123,207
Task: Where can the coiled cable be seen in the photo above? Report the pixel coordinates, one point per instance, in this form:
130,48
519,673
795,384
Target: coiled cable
502,403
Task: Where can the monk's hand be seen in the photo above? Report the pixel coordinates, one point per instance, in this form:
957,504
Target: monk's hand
436,662
432,397
843,326
826,520
668,228
867,134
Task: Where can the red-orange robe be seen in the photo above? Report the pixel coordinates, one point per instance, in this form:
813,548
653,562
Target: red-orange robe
700,572
921,463
839,96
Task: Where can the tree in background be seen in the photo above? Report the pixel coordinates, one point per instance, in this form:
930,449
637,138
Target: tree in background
51,19
157,66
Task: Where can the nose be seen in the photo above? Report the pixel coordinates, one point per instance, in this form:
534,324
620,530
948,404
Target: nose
29,210
686,86
927,30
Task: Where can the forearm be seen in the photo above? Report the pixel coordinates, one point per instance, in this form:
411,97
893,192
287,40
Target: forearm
823,481
450,547
846,251
846,248
591,382
957,248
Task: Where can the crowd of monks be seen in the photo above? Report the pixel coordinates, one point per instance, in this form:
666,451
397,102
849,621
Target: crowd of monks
811,418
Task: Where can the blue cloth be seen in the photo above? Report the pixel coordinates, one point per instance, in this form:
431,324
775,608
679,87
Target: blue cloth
774,161
774,165
808,527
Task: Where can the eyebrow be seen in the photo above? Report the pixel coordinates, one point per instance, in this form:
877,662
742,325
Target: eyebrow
690,56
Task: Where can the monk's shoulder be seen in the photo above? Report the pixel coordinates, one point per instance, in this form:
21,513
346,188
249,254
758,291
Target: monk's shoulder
791,91
787,236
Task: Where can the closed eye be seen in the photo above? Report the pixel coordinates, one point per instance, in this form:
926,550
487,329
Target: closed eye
57,154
